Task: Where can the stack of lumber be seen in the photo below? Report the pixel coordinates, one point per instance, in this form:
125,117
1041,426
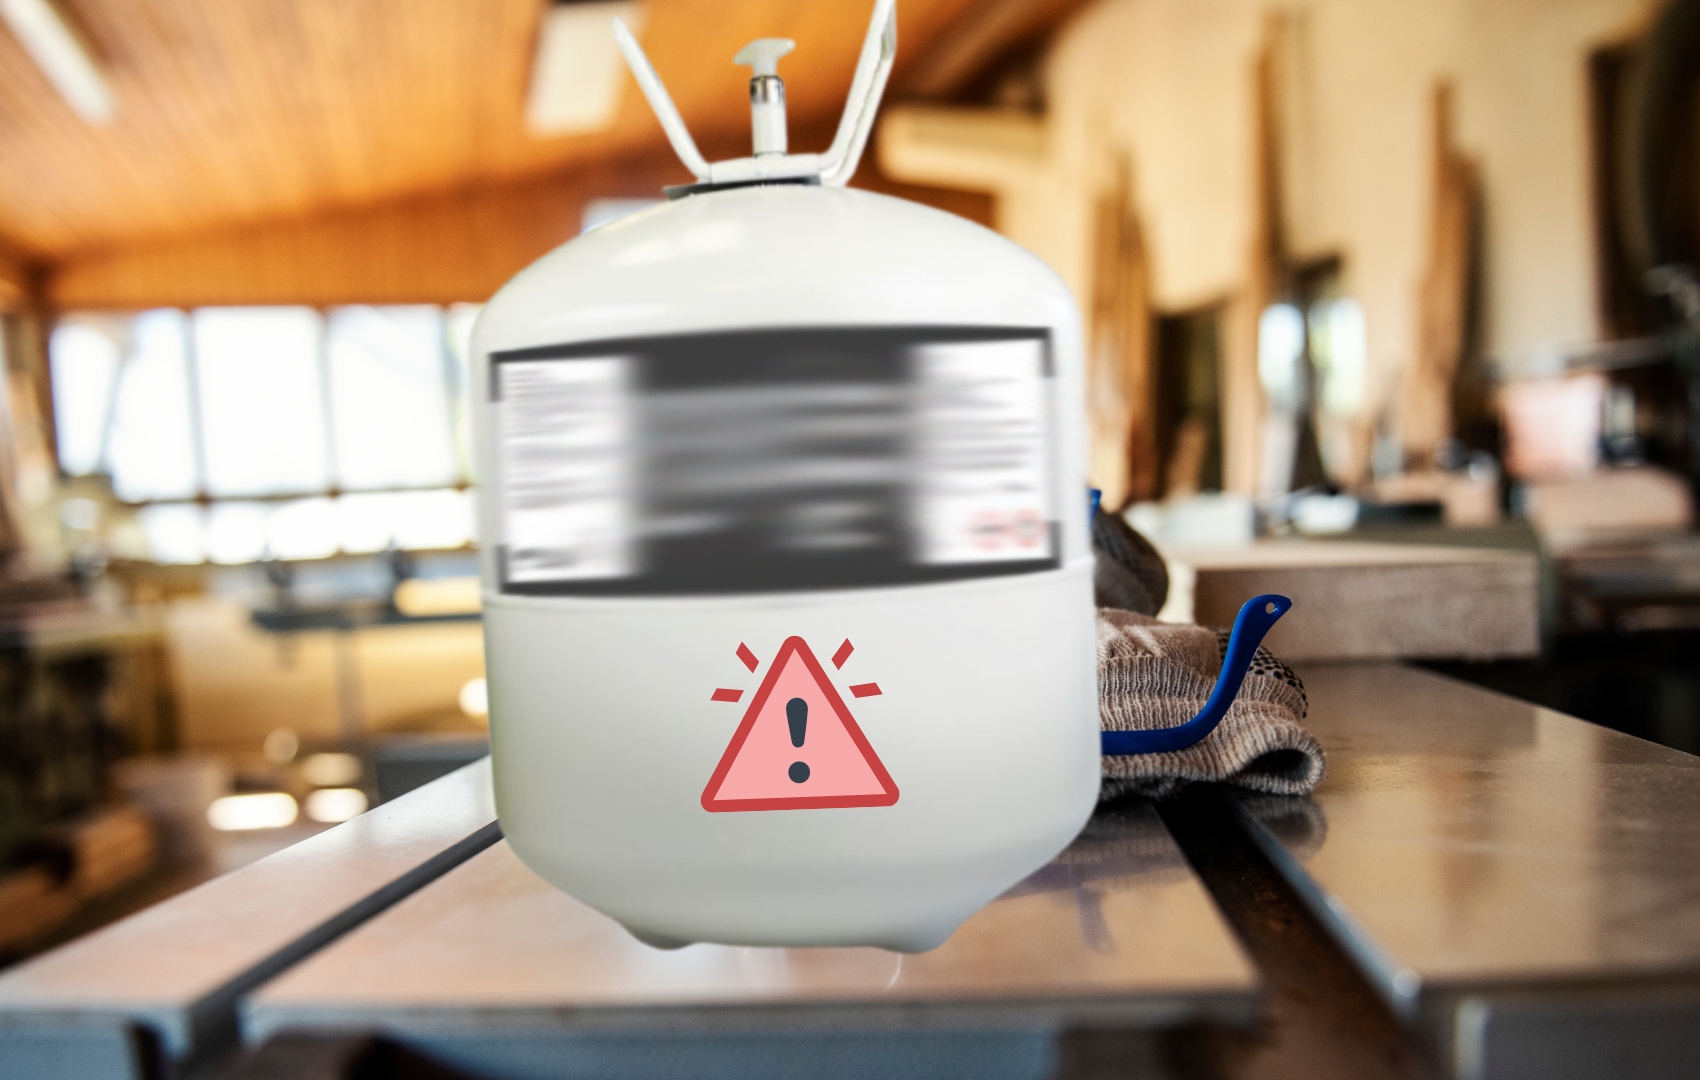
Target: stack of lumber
80,860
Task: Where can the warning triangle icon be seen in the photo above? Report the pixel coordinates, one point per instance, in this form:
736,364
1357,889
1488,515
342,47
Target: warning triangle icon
797,748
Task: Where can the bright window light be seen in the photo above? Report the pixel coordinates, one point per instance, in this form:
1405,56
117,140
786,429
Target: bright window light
406,519
151,442
391,400
239,813
460,319
1280,347
301,529
1339,344
262,400
433,519
364,522
331,805
175,532
362,413
84,363
236,532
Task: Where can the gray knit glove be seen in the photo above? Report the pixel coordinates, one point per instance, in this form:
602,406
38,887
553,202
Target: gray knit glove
1158,675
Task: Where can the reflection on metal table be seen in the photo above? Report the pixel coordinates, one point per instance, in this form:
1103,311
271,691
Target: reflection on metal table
1525,882
492,970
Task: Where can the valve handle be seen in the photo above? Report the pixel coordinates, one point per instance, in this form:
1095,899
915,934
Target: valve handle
762,55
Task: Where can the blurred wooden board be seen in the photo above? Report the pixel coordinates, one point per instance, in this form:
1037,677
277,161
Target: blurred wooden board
176,968
490,968
1367,601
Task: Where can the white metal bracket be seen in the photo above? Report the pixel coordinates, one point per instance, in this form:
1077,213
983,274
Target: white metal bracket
834,168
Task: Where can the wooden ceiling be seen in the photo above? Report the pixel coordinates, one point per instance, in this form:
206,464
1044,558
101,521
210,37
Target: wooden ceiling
234,112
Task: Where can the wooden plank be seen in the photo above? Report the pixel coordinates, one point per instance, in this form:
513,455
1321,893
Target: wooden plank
1121,361
1117,930
1443,298
175,969
1365,601
1266,269
102,850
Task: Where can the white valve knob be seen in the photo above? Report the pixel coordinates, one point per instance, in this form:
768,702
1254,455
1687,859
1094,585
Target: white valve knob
767,93
762,55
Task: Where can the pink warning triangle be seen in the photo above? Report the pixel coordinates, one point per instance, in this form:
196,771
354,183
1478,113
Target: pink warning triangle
765,768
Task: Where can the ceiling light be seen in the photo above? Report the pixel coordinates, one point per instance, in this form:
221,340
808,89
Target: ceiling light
576,76
62,55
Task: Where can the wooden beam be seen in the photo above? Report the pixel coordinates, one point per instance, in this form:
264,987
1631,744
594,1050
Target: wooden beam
20,277
985,34
456,246
453,247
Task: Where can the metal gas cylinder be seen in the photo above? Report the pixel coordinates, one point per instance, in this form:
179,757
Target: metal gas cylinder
786,583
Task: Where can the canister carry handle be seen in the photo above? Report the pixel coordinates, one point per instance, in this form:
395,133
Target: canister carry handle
1255,619
769,162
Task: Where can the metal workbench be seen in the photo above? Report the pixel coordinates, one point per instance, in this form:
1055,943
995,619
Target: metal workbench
1480,888
1523,883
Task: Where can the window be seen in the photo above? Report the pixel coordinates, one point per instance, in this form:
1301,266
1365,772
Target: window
391,392
262,407
85,360
273,432
150,437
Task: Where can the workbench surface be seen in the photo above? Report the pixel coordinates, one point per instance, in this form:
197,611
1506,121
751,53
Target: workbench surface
1117,922
1480,840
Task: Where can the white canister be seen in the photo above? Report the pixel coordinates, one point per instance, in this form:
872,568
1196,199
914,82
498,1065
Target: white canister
787,588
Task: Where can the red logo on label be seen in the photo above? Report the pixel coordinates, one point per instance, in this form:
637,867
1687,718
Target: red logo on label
798,748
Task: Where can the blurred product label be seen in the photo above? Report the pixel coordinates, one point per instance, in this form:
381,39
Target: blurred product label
566,448
981,493
774,460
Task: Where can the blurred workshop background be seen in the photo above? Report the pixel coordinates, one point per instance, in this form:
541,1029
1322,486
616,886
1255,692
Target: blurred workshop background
1350,269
